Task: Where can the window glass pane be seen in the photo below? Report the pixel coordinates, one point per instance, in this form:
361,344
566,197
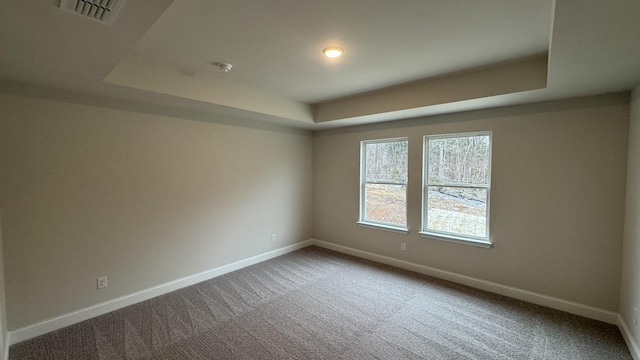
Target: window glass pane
386,203
457,210
386,161
459,160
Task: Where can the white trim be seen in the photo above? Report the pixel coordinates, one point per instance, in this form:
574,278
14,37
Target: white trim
59,322
425,181
89,312
383,227
456,239
362,204
628,338
529,296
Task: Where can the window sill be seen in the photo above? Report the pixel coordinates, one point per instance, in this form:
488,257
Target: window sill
457,240
397,229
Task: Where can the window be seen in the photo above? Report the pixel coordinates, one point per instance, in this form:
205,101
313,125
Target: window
383,183
457,185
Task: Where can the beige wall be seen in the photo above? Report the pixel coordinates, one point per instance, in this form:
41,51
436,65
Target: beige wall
630,288
557,200
144,199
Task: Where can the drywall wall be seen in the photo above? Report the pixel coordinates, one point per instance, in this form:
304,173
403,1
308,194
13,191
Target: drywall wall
557,197
145,73
143,199
521,75
630,287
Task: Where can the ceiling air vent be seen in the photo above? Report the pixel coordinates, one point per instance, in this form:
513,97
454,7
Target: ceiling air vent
104,11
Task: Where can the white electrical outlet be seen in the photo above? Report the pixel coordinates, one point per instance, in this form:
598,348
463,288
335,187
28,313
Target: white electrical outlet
403,246
102,282
273,237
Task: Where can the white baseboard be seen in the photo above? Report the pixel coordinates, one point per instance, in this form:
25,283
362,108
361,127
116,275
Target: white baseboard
77,316
628,338
529,296
59,322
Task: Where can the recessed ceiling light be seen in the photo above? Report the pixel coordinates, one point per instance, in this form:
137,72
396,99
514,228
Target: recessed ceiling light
332,51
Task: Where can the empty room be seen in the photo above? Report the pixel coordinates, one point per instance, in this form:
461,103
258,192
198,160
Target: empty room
296,179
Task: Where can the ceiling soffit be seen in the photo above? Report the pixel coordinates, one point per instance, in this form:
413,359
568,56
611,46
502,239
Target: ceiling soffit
500,48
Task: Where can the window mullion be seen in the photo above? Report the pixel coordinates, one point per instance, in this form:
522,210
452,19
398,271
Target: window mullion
475,186
386,182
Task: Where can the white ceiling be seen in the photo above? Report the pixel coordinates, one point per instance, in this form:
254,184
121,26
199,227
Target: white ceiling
276,45
402,58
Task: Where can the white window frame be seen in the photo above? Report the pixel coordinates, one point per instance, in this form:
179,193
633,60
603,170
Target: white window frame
363,186
445,235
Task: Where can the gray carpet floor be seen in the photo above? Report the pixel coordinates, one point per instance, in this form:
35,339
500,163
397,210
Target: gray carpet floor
318,304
